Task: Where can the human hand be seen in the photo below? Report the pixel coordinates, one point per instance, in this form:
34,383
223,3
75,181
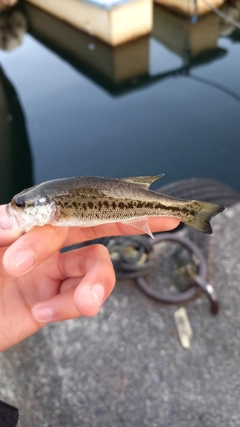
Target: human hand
38,284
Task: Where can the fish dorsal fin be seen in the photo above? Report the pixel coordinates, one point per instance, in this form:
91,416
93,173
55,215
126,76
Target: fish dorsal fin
145,181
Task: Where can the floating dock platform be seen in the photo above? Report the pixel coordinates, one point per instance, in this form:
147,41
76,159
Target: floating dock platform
191,7
113,21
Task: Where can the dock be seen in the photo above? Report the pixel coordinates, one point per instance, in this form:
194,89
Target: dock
115,22
118,21
191,7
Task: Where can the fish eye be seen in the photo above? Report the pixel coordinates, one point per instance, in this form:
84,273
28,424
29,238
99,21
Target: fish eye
19,202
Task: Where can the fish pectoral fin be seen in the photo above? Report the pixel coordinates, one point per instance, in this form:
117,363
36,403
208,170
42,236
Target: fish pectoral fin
145,181
141,224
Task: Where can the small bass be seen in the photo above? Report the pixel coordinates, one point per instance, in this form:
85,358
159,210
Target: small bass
88,201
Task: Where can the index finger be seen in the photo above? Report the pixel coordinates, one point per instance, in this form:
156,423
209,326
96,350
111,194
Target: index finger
34,247
77,234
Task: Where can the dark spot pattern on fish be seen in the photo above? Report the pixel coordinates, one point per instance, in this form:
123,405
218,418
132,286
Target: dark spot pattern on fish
75,205
166,207
130,205
95,200
149,205
59,203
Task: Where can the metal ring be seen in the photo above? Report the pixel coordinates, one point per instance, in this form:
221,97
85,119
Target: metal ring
199,280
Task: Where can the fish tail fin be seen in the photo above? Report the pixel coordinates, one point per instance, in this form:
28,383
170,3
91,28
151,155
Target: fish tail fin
200,218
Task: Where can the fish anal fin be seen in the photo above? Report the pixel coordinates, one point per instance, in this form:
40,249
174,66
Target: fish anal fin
141,224
145,181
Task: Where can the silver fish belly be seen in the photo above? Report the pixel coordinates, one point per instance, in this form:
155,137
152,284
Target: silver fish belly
90,201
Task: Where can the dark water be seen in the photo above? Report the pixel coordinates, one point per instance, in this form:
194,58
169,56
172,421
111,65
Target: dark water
71,105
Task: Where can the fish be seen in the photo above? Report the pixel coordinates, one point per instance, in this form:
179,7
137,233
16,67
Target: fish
86,201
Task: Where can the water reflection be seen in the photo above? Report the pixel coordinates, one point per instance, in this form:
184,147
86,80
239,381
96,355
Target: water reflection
184,38
126,67
179,126
15,156
13,26
114,69
231,24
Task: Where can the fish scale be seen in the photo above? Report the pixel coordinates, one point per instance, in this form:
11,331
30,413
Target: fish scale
90,201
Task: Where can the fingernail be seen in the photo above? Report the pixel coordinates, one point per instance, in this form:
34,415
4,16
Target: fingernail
22,261
42,314
98,292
